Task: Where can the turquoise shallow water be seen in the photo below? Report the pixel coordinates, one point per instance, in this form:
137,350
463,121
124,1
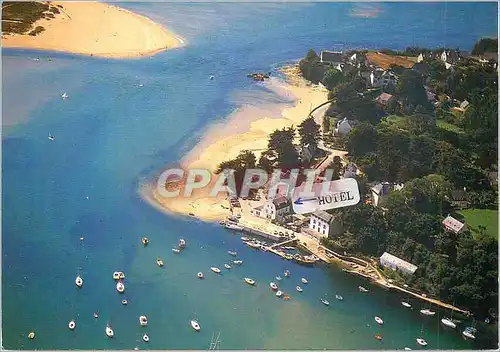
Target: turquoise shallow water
111,135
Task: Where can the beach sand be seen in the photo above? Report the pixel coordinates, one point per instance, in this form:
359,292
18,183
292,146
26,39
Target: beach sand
221,143
97,29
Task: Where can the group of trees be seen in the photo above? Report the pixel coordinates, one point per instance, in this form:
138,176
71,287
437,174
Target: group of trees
431,162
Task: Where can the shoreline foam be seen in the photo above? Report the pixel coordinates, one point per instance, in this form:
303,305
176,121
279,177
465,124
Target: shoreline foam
97,29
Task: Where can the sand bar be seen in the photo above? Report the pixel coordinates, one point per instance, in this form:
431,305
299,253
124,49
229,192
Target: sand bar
97,29
213,148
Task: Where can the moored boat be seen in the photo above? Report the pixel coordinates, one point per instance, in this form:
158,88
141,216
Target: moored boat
143,320
51,137
279,293
244,239
469,332
299,289
182,243
176,250
407,349
120,287
145,241
124,302
278,278
96,315
159,262
121,275
249,281
325,302
195,325
427,312
145,338
79,281
200,275
378,337
232,226
227,266
273,286
379,320
406,304
362,289
233,253
422,342
71,325
448,323
215,269
238,262
304,280
109,332
287,273
339,297
31,335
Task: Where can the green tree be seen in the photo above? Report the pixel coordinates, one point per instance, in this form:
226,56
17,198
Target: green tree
281,144
361,140
332,78
485,45
309,132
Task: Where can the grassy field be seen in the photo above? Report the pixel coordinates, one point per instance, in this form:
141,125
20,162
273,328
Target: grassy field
486,217
448,126
384,60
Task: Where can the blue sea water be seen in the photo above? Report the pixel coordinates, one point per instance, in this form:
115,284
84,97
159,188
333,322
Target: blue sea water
112,135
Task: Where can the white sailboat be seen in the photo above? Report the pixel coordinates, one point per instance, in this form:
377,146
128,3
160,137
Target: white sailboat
469,332
215,269
120,287
304,280
79,281
200,275
427,312
339,297
299,289
448,323
325,302
145,338
227,266
273,286
195,325
143,320
249,281
422,342
109,332
406,304
238,262
64,95
51,137
379,320
71,325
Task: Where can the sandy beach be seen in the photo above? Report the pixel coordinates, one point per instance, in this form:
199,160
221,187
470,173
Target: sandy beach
97,29
217,146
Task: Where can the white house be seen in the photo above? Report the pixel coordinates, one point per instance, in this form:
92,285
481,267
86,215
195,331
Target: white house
324,224
453,225
381,190
277,208
343,127
390,261
259,211
444,56
353,58
420,57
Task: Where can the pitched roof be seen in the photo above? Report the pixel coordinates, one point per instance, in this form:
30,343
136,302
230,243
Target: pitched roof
323,215
280,202
383,98
453,224
331,56
398,262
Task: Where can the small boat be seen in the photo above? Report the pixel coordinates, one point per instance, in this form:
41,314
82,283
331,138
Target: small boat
231,253
71,325
64,95
379,320
212,77
427,312
273,286
339,297
145,241
406,304
286,297
121,275
109,331
176,250
278,278
249,281
195,325
143,320
124,302
120,287
215,270
362,289
422,342
287,273
279,294
116,275
407,349
469,332
304,280
238,262
182,243
227,266
200,275
159,262
31,335
145,338
487,320
325,302
81,238
448,323
378,337
231,226
96,315
299,289
79,281
244,239
51,137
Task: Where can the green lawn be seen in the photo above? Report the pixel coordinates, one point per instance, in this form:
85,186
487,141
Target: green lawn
486,217
448,126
